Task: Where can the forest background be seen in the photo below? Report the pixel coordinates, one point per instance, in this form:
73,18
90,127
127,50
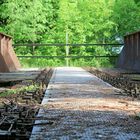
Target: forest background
85,21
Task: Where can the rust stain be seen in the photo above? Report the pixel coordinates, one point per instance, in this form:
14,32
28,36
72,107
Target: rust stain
8,59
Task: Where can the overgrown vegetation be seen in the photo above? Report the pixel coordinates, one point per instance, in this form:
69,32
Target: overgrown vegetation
19,90
85,21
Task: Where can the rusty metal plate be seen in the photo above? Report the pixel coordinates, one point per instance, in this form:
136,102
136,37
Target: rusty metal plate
130,55
8,59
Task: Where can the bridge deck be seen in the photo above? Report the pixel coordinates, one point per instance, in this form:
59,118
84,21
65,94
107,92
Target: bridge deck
78,105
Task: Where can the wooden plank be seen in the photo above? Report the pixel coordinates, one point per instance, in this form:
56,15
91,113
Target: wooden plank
18,76
132,76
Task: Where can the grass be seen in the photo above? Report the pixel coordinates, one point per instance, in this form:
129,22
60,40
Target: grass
18,90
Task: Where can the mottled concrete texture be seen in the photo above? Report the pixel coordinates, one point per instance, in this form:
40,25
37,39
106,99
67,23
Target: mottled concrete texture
80,106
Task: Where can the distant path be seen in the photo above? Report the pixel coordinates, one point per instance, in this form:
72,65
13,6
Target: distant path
80,106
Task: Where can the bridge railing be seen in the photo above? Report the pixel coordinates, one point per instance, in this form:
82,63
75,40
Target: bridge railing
33,45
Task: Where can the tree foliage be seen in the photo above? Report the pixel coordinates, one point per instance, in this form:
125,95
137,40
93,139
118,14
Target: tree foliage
85,21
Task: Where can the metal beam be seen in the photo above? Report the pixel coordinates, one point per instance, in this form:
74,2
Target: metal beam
62,45
67,56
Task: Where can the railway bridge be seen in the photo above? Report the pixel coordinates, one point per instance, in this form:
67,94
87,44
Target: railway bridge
78,105
71,103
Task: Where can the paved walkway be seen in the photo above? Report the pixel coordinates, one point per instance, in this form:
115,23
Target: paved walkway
79,106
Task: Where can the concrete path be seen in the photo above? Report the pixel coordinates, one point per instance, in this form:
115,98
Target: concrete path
79,106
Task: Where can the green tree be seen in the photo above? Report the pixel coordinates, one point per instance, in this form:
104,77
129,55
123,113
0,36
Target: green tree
85,21
23,19
126,16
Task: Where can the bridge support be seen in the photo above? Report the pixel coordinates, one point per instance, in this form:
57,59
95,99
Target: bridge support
130,55
8,59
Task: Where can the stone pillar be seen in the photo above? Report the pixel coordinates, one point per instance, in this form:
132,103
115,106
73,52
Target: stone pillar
8,59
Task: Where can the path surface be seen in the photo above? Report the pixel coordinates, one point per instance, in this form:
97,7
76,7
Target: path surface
80,106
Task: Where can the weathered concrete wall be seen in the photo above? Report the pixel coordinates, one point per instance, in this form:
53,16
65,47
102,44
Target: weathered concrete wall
8,59
130,55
